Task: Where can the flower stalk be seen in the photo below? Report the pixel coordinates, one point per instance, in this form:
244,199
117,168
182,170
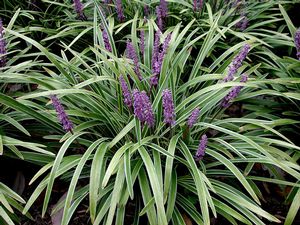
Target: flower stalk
3,51
158,57
61,114
143,108
233,92
126,93
119,9
78,6
237,63
168,106
201,148
193,117
297,42
131,54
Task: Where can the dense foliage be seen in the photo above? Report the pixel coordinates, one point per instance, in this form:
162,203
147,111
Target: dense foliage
151,112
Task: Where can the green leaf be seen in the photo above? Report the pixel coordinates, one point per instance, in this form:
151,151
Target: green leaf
66,215
127,167
149,205
169,164
288,21
54,169
117,158
96,168
120,135
239,176
202,192
116,194
294,208
155,185
15,123
6,217
27,110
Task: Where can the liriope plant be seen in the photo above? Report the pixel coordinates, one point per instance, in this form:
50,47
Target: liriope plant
13,134
150,129
9,203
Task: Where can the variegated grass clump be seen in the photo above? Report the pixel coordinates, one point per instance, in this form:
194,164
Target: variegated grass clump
162,125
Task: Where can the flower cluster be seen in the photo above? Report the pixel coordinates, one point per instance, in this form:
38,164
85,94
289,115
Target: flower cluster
237,63
79,9
155,53
297,42
2,46
143,108
233,92
193,117
131,54
198,4
243,23
168,106
155,50
161,13
146,10
142,41
158,57
163,8
106,40
61,114
126,93
119,9
201,149
159,18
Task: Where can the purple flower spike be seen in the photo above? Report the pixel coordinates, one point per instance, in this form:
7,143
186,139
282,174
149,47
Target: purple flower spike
106,40
233,92
163,8
161,56
201,149
154,80
198,4
61,114
168,105
119,9
143,108
155,51
161,13
131,54
142,41
138,105
146,10
79,9
193,117
195,5
164,49
2,46
297,42
126,93
160,22
154,62
242,24
1,28
158,58
237,63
